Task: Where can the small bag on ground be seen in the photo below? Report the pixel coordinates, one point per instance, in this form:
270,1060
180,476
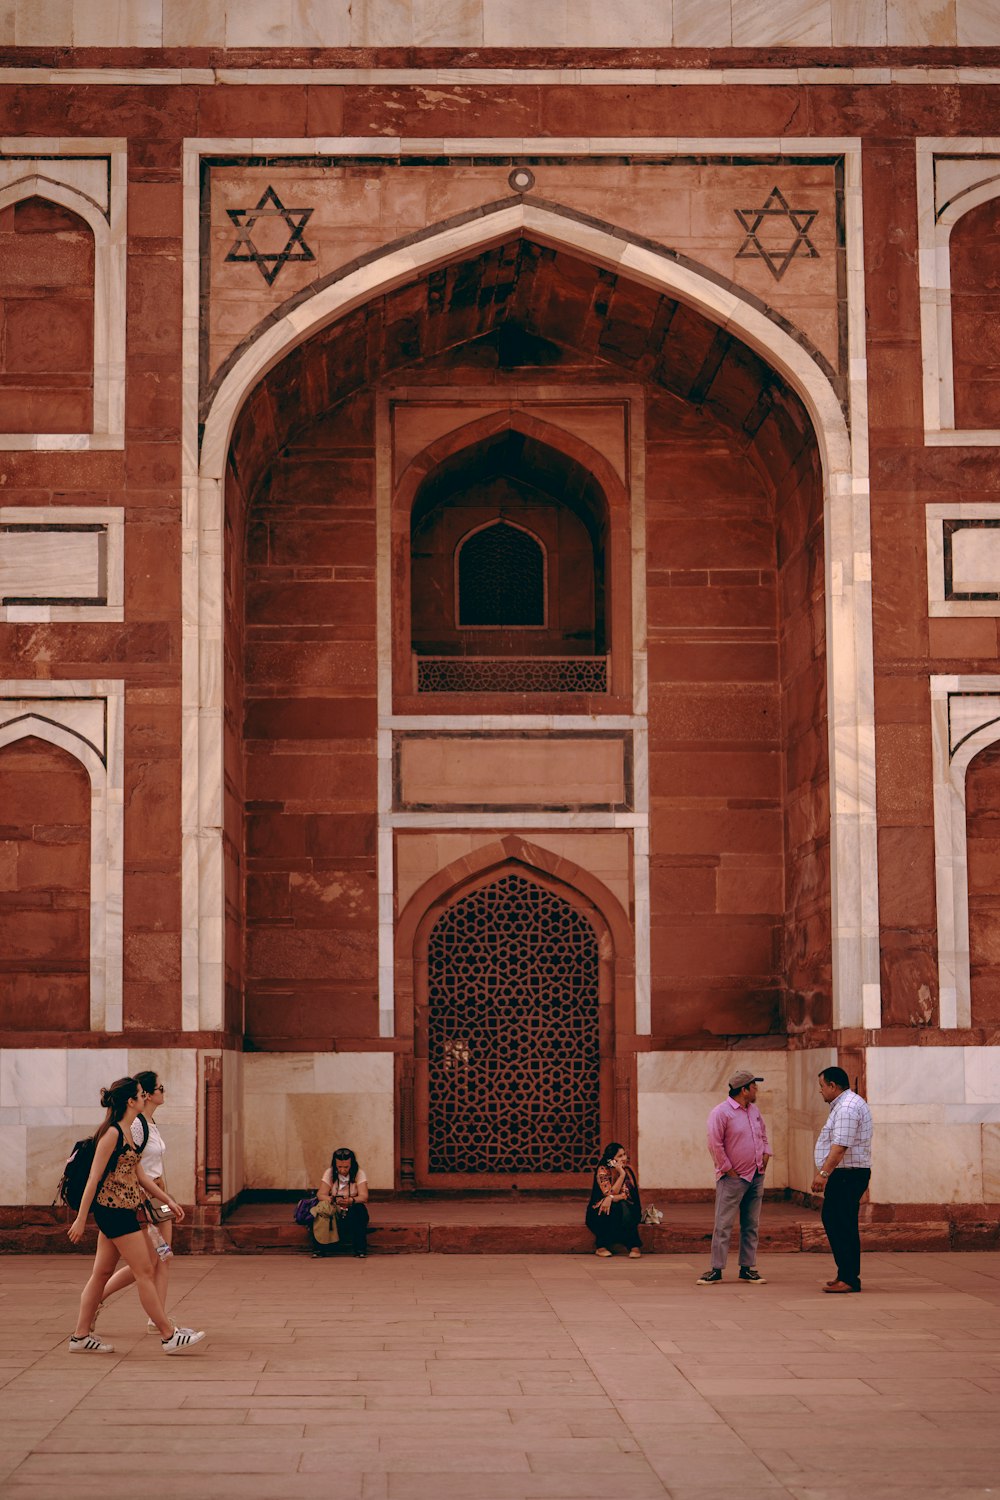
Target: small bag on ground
304,1210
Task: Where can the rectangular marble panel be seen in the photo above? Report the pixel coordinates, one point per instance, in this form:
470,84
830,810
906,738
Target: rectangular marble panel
676,1092
289,1139
916,1075
923,1163
89,1071
982,1075
13,1163
978,25
63,563
458,771
991,1163
32,1076
68,566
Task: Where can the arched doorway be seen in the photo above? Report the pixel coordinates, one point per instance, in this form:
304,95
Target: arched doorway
512,1034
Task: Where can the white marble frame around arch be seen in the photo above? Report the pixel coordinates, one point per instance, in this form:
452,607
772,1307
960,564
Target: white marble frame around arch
45,170
934,259
844,456
978,728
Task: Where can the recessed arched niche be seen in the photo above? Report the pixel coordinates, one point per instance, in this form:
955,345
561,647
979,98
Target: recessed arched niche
975,303
982,801
45,907
47,306
507,565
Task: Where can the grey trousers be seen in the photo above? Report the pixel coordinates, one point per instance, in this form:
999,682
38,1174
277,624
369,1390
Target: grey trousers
732,1193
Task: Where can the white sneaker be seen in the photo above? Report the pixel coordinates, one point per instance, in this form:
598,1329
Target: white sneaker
88,1344
181,1340
97,1314
151,1326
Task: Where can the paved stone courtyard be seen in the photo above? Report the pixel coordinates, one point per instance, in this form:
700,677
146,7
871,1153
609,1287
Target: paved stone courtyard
510,1378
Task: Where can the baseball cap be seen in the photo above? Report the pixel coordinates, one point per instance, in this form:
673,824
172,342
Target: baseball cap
740,1079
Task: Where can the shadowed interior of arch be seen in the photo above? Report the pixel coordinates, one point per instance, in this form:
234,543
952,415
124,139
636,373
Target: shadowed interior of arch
735,596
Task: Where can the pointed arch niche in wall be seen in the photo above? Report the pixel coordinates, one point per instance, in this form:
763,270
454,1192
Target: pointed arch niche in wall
88,178
965,720
955,176
609,520
85,719
856,997
580,892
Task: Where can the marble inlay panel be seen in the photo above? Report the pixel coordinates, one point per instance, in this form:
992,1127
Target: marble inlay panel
62,563
963,559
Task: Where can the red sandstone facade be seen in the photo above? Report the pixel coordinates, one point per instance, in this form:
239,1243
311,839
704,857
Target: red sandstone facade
691,398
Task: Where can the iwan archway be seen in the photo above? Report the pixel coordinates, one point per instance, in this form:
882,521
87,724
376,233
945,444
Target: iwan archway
847,596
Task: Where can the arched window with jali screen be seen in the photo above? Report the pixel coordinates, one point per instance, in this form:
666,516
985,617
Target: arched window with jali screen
500,578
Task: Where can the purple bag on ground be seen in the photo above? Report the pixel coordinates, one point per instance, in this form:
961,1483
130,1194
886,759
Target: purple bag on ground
303,1210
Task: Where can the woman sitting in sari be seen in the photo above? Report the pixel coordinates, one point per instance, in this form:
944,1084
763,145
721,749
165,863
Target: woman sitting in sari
614,1210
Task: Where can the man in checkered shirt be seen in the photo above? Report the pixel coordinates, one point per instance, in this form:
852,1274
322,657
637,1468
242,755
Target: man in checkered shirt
843,1159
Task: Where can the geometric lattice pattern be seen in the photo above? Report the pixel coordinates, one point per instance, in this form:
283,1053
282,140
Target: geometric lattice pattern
512,674
513,1050
501,578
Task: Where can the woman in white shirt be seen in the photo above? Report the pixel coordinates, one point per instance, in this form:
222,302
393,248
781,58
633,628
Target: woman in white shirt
347,1186
152,1165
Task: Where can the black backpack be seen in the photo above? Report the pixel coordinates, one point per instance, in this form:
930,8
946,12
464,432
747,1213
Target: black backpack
79,1163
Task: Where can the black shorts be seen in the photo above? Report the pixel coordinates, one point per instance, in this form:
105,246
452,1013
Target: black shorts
114,1222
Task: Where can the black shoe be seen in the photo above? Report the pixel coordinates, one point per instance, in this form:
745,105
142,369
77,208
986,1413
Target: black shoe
710,1277
750,1273
360,1254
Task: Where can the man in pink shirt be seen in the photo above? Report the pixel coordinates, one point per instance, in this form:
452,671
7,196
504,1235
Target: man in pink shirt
737,1139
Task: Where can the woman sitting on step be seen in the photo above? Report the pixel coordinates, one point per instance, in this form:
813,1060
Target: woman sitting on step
614,1210
341,1215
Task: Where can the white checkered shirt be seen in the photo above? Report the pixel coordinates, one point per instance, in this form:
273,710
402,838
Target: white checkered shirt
849,1124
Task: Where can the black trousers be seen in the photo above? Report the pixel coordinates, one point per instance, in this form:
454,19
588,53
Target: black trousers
845,1188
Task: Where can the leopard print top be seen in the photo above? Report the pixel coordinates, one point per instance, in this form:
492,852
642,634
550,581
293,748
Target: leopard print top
120,1187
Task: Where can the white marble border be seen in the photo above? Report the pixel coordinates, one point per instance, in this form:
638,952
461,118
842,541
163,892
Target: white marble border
58,517
937,605
59,721
103,206
965,718
917,75
935,221
856,990
504,24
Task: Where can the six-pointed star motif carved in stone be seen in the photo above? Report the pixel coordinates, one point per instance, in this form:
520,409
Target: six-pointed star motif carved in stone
270,262
757,220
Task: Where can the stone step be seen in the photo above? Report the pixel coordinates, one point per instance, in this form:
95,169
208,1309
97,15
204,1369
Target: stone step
548,1227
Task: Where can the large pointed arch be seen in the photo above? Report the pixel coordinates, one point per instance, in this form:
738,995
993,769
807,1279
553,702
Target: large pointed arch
856,998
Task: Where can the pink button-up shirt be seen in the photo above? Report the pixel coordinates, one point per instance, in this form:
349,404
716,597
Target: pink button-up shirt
737,1139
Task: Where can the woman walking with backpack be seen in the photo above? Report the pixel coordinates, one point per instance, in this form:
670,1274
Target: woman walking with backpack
116,1188
149,1143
